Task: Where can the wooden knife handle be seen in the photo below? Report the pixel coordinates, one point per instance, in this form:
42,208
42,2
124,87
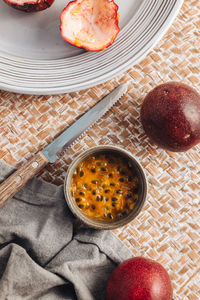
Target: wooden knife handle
20,177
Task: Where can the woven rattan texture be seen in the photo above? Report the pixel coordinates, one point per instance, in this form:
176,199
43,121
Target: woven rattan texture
168,228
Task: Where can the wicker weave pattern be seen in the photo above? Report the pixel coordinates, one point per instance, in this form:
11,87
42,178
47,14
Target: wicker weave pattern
168,228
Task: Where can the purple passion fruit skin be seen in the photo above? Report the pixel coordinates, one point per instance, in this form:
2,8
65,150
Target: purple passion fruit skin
30,6
170,116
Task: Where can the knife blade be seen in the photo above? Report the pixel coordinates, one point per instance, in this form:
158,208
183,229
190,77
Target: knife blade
56,148
52,152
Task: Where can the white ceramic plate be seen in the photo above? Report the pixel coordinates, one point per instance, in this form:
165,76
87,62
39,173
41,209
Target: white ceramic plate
34,59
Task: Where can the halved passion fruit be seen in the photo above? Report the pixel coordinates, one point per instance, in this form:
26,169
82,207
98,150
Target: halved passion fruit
90,24
30,5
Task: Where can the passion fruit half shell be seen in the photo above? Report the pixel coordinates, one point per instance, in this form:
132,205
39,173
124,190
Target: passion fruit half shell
90,24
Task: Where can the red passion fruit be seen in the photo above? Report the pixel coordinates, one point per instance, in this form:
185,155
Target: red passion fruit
139,278
90,24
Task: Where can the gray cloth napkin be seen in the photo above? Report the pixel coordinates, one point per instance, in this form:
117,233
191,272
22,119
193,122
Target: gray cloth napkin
44,252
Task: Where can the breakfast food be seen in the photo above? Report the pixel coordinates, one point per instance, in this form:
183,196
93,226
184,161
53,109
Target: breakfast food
170,116
30,5
139,278
90,24
105,187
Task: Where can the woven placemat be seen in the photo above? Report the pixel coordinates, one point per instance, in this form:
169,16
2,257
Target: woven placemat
168,228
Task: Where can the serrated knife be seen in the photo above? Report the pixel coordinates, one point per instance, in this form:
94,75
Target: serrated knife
52,152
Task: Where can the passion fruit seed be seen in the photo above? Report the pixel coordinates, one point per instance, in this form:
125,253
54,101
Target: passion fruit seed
110,216
118,191
78,199
129,195
94,181
122,173
111,161
114,199
106,191
121,179
123,213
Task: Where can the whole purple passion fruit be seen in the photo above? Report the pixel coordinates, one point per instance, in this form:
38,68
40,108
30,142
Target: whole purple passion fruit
170,116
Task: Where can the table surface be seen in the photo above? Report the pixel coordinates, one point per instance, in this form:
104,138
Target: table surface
168,228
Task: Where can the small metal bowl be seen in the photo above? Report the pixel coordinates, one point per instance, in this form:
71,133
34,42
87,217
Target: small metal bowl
105,224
